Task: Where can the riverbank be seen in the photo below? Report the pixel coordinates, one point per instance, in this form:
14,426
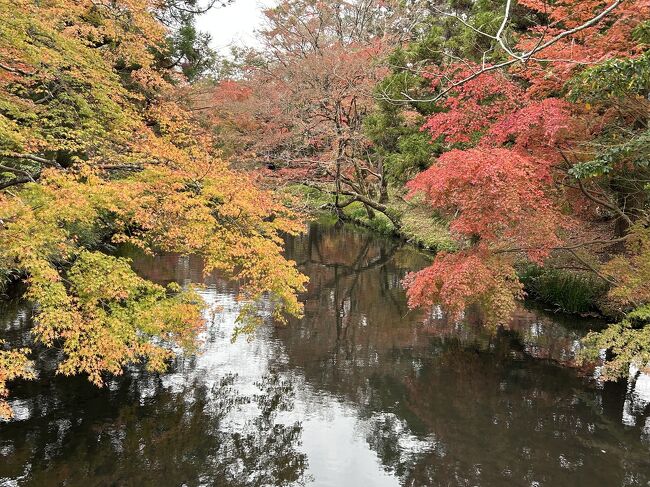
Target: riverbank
559,290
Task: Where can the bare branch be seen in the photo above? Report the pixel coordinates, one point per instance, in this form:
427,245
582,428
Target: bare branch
592,268
605,203
463,21
569,32
31,157
120,167
15,70
17,171
568,247
17,181
523,57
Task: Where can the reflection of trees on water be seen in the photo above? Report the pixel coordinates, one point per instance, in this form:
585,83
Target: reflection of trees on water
439,402
522,420
339,268
143,433
448,403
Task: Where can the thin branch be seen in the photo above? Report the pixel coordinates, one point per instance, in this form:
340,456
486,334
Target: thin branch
17,171
569,32
120,167
592,268
521,57
31,157
363,199
17,181
593,197
451,87
15,70
604,203
568,247
464,22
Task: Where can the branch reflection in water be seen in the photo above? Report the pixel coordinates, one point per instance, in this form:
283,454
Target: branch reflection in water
361,391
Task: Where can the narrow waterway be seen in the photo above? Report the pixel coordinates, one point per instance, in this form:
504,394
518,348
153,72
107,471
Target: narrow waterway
360,392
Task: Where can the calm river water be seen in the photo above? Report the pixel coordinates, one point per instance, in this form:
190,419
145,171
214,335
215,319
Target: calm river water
361,392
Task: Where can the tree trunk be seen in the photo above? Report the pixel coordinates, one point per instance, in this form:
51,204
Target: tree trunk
383,183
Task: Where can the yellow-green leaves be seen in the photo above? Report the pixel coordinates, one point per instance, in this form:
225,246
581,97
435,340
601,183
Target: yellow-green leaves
627,343
111,154
14,364
110,317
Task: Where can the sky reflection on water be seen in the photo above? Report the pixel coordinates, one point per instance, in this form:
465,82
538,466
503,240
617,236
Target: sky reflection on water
360,392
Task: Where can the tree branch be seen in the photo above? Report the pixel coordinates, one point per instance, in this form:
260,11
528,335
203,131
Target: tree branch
31,157
520,57
120,167
363,199
15,70
592,268
17,181
604,203
17,171
568,247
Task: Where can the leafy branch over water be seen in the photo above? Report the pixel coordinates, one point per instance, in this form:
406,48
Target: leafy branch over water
97,144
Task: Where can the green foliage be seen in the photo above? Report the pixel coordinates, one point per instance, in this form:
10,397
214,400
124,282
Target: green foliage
571,292
404,148
420,224
631,270
312,197
394,127
414,153
627,343
616,81
610,79
379,223
642,32
189,50
634,150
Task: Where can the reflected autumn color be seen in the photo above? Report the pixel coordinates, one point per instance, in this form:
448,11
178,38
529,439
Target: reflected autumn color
361,391
446,399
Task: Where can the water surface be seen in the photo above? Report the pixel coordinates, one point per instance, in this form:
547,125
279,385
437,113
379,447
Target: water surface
361,392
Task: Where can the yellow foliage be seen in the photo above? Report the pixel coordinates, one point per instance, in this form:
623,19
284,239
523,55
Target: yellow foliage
631,270
97,145
13,364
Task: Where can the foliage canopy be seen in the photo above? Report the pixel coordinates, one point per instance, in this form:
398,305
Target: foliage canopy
97,144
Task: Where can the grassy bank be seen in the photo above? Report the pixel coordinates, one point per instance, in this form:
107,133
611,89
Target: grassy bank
420,225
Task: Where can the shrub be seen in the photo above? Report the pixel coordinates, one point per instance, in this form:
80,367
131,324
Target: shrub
571,292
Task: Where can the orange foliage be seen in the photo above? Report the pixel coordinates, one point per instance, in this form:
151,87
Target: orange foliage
112,153
463,278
